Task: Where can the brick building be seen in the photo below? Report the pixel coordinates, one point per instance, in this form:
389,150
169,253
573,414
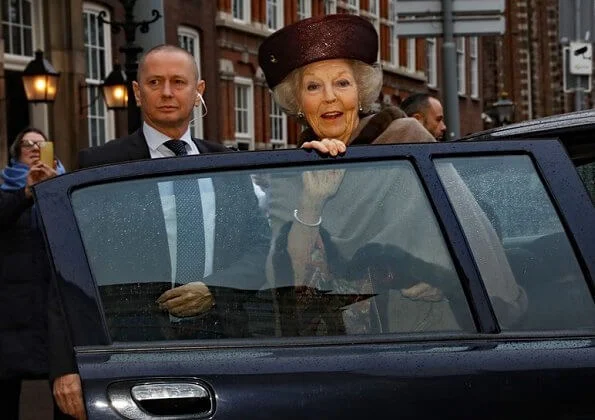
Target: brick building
224,36
526,63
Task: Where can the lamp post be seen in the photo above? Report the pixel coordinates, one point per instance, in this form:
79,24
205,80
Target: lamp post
504,109
131,52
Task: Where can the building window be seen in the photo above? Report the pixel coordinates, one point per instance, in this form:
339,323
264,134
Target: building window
304,9
411,55
278,126
431,68
241,10
189,39
393,41
98,60
274,14
17,26
461,86
244,114
373,13
474,66
352,6
330,7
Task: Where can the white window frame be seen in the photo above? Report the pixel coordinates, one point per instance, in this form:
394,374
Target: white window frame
191,35
274,20
352,6
245,16
330,7
411,55
461,68
431,62
394,39
304,9
278,121
94,96
18,62
244,137
474,65
374,13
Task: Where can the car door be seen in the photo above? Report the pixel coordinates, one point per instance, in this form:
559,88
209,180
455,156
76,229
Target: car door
424,294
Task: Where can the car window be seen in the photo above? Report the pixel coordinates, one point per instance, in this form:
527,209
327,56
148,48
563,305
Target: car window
517,206
379,265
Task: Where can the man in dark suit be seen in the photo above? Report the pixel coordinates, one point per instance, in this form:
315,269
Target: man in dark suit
167,89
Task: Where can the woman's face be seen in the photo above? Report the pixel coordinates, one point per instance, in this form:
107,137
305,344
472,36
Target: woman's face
30,148
329,99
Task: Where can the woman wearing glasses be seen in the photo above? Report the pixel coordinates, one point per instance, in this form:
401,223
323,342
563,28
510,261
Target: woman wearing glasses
24,270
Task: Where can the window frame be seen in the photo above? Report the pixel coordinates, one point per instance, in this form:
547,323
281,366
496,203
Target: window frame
330,7
96,100
246,16
280,117
197,125
304,9
431,62
19,62
244,137
474,66
460,45
275,21
351,6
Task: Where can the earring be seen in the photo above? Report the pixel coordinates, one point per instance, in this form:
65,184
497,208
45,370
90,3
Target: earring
361,109
300,115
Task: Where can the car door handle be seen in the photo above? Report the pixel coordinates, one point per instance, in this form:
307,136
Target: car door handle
161,399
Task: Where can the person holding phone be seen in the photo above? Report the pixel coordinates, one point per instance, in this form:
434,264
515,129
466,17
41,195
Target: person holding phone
24,270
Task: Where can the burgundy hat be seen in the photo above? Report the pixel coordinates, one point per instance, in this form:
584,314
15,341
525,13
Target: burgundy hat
316,39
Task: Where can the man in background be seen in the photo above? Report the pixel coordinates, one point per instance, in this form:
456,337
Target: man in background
428,111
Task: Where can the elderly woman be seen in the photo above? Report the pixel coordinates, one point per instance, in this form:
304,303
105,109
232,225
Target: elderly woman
24,271
323,72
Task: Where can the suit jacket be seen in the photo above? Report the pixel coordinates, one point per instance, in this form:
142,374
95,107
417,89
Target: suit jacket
240,248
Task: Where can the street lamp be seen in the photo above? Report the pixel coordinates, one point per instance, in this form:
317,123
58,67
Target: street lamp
115,89
131,51
40,80
504,109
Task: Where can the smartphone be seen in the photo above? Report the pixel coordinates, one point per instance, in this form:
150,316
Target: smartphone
46,153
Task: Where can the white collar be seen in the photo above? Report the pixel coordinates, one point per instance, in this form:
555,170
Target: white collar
155,138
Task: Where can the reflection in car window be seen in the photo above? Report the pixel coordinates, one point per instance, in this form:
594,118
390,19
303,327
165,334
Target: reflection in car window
383,265
587,174
515,201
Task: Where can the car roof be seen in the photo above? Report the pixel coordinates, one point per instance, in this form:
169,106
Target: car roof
575,129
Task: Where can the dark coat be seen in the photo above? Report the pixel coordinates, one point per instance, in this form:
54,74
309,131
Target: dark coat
24,279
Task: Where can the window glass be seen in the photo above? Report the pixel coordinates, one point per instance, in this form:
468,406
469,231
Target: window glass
17,27
516,206
378,264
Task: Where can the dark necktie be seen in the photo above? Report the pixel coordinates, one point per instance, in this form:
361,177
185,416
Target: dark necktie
190,230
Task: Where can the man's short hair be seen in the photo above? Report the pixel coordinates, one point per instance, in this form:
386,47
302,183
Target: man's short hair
166,48
416,102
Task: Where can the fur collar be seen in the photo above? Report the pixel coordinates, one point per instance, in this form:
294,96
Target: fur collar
370,127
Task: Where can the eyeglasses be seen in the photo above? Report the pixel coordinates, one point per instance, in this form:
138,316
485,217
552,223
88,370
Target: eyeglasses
29,144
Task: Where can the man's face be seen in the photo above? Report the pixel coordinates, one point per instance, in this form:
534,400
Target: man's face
167,90
434,119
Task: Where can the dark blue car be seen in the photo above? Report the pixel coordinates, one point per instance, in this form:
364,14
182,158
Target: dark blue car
364,348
